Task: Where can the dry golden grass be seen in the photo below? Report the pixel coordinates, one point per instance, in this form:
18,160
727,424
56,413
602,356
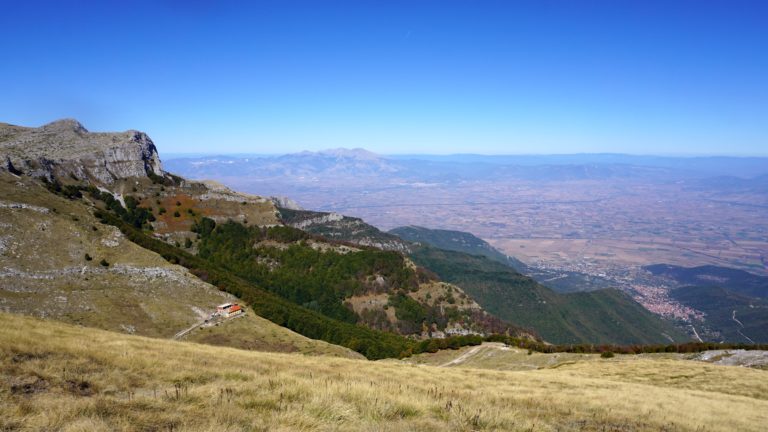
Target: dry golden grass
252,332
499,357
60,377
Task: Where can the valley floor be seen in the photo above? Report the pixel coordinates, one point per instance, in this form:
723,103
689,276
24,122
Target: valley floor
58,377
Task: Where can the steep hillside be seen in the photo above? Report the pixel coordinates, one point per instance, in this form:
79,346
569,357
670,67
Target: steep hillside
342,228
728,315
127,165
604,316
252,332
381,289
734,302
96,276
58,261
459,241
60,377
319,288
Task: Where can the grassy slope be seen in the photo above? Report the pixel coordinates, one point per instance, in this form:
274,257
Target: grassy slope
497,356
51,277
61,377
43,272
371,343
604,316
253,332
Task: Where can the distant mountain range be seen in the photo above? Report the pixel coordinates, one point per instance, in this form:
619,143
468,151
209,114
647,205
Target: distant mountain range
359,162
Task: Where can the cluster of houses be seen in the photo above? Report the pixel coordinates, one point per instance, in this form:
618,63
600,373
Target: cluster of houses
431,332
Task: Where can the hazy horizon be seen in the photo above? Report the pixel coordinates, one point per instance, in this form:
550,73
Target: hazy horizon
175,155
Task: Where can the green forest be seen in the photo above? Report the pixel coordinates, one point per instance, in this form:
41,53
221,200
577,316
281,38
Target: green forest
604,316
317,280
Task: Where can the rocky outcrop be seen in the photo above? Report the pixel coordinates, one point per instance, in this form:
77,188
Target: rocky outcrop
335,226
317,219
66,149
286,203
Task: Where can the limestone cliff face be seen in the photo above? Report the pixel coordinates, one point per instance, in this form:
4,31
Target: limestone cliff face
286,203
66,149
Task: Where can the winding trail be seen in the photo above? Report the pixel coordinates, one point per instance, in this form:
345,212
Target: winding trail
186,331
210,321
695,333
733,317
464,357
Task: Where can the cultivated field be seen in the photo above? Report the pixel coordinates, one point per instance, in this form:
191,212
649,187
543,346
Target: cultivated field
60,377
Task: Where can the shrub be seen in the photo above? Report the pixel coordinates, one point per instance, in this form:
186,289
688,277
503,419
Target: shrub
88,257
176,214
204,226
606,354
104,262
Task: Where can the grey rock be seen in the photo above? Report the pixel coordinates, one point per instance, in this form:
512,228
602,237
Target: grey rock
286,203
65,148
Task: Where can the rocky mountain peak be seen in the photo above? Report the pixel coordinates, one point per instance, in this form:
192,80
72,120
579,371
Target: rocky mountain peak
66,149
65,125
355,153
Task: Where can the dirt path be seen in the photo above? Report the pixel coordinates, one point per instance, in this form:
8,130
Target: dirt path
474,351
209,321
695,333
464,357
733,317
186,331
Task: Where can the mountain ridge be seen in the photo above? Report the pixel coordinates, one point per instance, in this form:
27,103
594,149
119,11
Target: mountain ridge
65,148
149,208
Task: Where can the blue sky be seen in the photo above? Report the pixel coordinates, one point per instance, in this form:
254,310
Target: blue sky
507,77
